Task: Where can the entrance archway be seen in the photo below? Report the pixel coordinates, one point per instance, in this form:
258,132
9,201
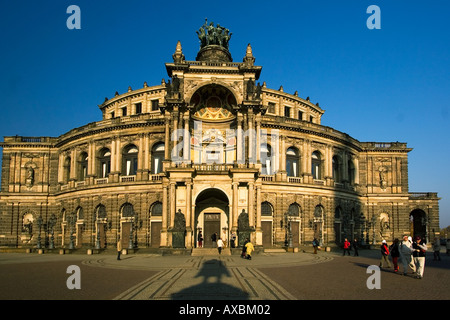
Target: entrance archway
418,224
211,216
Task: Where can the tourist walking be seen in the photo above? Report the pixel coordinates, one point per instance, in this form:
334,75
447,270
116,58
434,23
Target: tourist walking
315,244
395,253
405,250
437,249
200,239
233,239
249,249
355,247
219,245
384,255
244,248
214,240
119,248
347,246
420,249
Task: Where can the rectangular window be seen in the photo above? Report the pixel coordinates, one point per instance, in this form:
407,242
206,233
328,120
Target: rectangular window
155,105
113,115
300,115
287,111
311,118
124,112
271,108
138,108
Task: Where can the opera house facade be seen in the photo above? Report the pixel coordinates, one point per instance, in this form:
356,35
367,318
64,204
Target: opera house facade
210,149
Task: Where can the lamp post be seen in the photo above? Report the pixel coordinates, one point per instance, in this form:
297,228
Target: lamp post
288,230
39,222
51,228
374,220
72,220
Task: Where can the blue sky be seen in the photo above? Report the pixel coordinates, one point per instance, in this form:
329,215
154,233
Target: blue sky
382,85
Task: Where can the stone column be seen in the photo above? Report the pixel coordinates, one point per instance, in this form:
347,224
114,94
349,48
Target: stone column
190,237
251,201
258,216
165,216
239,145
186,139
235,214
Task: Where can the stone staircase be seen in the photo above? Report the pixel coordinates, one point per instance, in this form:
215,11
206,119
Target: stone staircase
210,252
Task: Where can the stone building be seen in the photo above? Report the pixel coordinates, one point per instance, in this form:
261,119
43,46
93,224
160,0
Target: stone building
208,149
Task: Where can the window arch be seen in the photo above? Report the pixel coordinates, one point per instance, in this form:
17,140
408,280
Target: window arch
156,209
104,162
266,209
292,162
66,169
158,151
127,210
80,213
266,159
83,166
351,172
316,162
337,169
338,213
294,210
100,212
130,160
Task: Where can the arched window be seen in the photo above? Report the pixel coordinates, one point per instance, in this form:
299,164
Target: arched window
157,157
292,162
337,169
104,162
266,159
66,169
130,160
338,213
156,209
101,212
294,210
266,209
80,213
82,166
316,162
351,172
127,210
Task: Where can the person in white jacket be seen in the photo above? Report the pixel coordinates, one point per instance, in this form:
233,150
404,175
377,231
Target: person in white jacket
220,245
419,254
406,251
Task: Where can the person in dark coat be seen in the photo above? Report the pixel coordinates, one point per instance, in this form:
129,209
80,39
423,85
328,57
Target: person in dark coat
395,253
355,247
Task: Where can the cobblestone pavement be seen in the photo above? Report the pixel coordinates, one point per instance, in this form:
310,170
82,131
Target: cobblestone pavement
269,277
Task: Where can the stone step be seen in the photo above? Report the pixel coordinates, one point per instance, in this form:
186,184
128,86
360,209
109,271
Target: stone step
275,250
210,252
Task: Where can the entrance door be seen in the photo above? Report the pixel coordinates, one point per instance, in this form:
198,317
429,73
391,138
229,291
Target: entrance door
295,233
126,229
102,235
155,234
211,225
267,233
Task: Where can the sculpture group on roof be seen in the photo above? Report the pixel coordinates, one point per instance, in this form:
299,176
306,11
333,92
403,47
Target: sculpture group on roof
210,35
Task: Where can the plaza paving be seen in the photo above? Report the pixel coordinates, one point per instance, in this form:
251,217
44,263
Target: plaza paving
268,277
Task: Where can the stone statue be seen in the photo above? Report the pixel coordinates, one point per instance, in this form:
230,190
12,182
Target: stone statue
30,176
382,173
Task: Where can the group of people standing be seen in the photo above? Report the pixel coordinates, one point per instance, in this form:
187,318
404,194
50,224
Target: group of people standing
410,253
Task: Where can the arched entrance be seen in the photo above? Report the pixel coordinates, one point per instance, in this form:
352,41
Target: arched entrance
418,223
211,216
